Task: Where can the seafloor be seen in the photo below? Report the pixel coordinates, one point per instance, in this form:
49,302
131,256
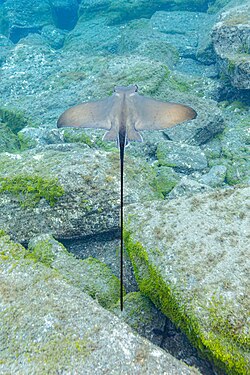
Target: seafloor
186,194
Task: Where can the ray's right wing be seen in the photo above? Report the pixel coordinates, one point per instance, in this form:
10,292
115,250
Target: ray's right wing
158,115
88,115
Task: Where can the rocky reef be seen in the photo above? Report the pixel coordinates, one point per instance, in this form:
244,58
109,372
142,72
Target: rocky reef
186,190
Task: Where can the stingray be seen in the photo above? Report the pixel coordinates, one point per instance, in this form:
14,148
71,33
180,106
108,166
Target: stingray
124,115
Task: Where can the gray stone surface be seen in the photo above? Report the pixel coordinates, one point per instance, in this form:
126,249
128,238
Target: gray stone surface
181,156
49,326
231,41
188,186
215,177
54,36
118,10
183,30
234,149
89,275
26,16
91,182
5,47
191,257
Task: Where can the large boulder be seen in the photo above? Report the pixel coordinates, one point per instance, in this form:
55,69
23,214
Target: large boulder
191,258
68,190
117,11
50,326
184,30
30,16
231,41
24,17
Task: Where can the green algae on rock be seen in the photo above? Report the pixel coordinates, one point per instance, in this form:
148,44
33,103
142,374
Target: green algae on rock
183,258
14,119
31,189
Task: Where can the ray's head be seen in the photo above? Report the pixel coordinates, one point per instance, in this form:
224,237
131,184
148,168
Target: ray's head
128,90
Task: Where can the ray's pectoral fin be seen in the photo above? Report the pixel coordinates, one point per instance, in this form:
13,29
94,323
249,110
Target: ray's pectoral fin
157,115
88,115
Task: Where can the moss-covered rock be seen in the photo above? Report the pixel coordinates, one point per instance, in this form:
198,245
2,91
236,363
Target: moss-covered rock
235,151
14,119
50,326
30,189
8,140
181,156
11,122
231,44
166,179
104,286
68,190
191,280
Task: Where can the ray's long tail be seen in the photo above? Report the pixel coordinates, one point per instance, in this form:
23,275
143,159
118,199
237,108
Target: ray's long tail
122,148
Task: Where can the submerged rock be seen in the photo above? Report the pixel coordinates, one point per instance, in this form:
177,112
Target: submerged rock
181,156
68,190
191,258
24,17
188,186
183,30
231,41
215,177
6,46
89,275
51,326
120,10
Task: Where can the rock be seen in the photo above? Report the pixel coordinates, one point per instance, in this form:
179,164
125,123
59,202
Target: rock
8,140
104,287
183,30
219,6
51,326
231,41
30,16
212,148
181,156
166,179
121,10
235,151
68,190
24,17
196,68
31,137
6,46
191,258
54,36
215,177
188,186
94,36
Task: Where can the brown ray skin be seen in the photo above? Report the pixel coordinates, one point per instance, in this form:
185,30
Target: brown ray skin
124,115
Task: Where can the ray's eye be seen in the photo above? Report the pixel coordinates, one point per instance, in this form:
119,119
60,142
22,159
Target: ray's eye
136,88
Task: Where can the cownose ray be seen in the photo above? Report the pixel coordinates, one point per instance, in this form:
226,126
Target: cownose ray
124,114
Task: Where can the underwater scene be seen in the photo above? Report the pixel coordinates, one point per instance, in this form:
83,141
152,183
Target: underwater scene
124,187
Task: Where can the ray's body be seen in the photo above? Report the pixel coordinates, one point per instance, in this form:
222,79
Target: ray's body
124,115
